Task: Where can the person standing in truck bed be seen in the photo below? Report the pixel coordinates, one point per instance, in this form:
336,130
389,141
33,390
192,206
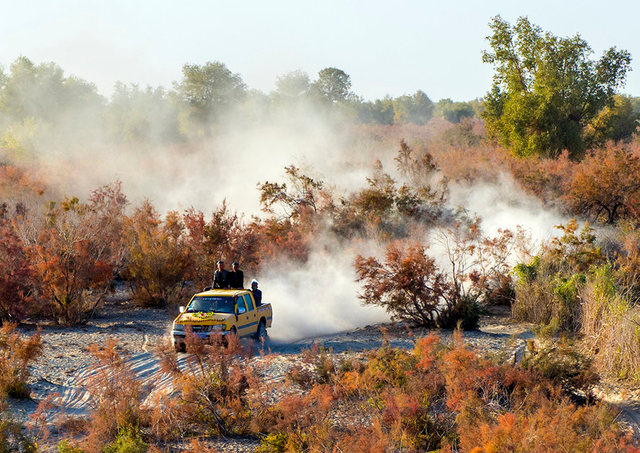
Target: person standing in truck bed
236,276
221,277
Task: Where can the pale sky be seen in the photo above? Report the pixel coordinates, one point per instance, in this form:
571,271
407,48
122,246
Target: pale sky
386,47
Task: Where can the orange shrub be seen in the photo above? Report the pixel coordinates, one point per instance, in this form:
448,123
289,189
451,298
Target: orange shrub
157,260
17,278
75,249
16,355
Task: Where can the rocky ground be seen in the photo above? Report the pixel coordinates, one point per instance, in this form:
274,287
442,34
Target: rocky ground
63,368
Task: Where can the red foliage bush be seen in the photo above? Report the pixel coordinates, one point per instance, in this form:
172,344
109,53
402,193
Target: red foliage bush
17,278
75,249
224,237
16,356
605,186
117,396
157,259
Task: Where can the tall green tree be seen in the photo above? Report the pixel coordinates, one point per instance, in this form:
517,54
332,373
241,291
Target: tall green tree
417,108
546,89
380,111
42,92
617,122
208,92
135,114
454,112
292,86
333,84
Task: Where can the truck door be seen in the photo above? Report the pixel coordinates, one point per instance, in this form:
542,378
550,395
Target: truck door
244,322
253,314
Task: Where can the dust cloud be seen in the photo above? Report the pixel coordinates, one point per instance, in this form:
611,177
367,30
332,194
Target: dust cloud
316,298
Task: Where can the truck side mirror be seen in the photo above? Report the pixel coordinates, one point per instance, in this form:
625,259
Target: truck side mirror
181,309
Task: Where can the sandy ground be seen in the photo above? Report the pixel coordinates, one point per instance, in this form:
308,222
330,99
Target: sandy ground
64,367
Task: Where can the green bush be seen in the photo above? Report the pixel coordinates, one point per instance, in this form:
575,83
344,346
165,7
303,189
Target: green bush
273,443
65,447
128,441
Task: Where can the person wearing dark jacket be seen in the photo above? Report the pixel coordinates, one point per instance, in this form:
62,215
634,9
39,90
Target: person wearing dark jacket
236,276
257,294
221,277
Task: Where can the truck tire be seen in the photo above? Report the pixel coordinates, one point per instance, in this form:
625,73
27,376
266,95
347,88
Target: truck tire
261,333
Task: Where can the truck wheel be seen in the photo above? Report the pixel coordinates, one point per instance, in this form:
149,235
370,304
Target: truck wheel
261,334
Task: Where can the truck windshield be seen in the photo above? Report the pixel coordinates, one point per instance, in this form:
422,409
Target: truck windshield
216,304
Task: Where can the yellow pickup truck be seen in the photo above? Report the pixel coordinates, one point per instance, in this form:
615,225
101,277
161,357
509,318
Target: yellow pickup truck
222,311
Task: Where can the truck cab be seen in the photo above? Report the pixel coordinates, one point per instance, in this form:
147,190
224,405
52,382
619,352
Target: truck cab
222,311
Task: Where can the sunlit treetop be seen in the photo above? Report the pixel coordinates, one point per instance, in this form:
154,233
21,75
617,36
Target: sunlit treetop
547,89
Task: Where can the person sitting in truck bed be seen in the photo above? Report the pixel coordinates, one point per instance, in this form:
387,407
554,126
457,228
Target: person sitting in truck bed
257,294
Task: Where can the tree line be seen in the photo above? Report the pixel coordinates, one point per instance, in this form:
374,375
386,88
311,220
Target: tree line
40,99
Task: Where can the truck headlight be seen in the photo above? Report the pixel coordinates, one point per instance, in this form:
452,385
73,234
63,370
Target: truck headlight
178,326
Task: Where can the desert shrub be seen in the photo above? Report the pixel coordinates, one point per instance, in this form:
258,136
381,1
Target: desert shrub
572,286
285,238
462,134
117,397
295,215
16,355
412,287
13,436
64,446
465,373
388,209
442,396
19,187
273,443
562,363
408,284
128,440
365,439
75,249
167,417
402,393
302,422
548,287
575,251
467,164
387,367
605,186
302,195
610,325
504,408
17,276
215,385
425,191
551,426
225,236
315,367
157,257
